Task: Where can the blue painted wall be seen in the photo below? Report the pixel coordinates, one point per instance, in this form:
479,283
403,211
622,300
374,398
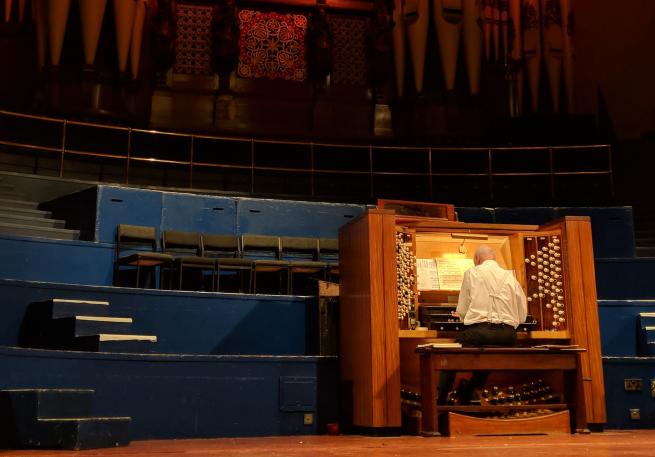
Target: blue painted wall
120,205
618,323
469,214
212,214
537,215
184,322
163,210
622,279
612,227
41,259
188,396
198,213
279,217
619,403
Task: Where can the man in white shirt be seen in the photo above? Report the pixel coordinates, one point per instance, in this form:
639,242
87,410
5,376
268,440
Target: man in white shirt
491,305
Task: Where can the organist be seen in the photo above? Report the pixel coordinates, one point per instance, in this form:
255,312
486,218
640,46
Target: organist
491,305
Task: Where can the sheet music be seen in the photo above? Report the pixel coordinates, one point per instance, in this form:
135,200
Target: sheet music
451,272
427,275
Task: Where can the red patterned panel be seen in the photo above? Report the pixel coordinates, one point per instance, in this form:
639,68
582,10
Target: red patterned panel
272,45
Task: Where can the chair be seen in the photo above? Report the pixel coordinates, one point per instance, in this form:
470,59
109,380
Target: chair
302,254
329,252
226,253
265,252
186,247
136,247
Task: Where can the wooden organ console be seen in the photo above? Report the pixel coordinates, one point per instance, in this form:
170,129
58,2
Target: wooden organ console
382,306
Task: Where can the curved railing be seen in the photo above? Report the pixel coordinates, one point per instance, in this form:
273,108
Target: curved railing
105,153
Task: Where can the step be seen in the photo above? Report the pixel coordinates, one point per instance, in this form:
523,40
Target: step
12,194
80,433
140,344
69,307
24,211
32,404
38,331
43,232
645,242
31,220
646,319
649,334
646,345
75,326
15,203
645,251
65,307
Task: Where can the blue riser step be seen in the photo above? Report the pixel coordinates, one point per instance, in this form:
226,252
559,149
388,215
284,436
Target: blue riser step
194,396
622,279
78,434
50,403
59,308
646,323
100,343
648,335
91,325
620,327
57,419
646,320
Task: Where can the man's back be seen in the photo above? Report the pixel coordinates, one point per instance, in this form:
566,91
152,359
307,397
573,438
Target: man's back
490,293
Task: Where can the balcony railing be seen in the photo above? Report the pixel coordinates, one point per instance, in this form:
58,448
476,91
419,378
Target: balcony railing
338,172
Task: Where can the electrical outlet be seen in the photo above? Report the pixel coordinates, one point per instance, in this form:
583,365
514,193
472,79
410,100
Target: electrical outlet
635,414
633,385
308,419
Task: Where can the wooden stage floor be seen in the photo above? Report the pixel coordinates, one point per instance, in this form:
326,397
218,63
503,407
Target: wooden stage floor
633,443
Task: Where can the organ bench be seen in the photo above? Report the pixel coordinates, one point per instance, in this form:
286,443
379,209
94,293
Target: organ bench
563,361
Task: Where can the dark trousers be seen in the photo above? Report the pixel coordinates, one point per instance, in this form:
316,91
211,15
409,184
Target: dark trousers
476,335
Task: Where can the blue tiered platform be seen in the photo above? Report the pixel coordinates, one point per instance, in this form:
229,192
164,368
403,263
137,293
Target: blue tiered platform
228,364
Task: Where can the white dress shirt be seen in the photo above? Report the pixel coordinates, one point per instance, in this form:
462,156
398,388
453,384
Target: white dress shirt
490,293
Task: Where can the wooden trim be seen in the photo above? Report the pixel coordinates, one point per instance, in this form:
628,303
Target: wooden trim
355,330
594,355
555,423
472,227
417,333
584,316
391,325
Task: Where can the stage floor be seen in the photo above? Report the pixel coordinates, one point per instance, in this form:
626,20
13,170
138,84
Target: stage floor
633,443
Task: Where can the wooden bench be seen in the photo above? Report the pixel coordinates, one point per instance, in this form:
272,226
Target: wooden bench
435,360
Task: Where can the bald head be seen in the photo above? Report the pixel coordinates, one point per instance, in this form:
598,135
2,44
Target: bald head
482,253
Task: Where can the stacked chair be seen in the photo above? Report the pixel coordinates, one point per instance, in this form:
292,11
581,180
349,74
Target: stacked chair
187,252
225,259
303,256
226,252
265,252
136,248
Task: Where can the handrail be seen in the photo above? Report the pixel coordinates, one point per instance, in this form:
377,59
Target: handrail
193,158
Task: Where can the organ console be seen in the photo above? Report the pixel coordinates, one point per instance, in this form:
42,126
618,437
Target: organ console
400,278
